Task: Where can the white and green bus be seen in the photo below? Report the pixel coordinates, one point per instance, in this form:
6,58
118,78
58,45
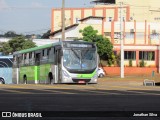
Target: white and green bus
59,62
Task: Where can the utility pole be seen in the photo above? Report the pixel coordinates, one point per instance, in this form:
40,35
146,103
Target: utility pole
121,40
159,57
63,20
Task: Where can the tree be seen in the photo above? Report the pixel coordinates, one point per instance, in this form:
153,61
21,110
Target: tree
89,34
5,48
16,44
46,35
10,34
28,44
105,47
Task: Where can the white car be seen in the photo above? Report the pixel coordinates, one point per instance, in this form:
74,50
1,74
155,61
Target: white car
101,73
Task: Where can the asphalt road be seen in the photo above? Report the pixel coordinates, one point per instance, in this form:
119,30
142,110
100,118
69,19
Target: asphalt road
100,98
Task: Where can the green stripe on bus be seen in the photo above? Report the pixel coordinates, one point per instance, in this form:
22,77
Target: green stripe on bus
29,71
86,75
44,70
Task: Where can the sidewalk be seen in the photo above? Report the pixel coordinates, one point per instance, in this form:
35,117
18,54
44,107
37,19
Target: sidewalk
130,80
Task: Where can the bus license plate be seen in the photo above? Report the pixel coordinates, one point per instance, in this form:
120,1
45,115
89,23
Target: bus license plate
81,81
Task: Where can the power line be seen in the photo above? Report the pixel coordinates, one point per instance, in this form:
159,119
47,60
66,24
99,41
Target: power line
27,32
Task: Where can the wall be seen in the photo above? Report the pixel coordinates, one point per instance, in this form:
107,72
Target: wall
141,10
130,70
72,32
142,32
71,14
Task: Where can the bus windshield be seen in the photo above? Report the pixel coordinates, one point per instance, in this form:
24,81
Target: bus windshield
79,59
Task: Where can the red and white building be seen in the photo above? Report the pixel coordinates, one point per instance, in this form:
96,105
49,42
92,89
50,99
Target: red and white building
141,36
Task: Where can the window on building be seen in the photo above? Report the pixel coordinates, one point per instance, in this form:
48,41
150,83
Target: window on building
147,55
123,18
129,55
109,19
129,35
154,36
140,35
71,38
116,35
157,18
107,34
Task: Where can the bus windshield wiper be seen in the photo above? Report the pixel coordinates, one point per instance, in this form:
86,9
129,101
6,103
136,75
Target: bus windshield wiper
85,52
75,53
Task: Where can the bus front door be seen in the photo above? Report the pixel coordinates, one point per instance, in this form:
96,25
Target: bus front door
58,65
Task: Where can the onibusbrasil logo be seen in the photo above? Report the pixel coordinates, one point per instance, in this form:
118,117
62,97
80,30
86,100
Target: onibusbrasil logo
20,114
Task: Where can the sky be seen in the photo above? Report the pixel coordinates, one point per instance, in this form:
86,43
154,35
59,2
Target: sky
31,16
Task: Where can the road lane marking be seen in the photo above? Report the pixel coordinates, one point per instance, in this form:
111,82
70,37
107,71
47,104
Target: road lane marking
56,91
15,91
47,86
143,92
15,86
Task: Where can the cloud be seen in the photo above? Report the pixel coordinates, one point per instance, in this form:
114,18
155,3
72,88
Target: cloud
3,4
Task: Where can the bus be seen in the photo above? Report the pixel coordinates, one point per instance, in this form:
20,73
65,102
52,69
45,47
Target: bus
6,69
59,62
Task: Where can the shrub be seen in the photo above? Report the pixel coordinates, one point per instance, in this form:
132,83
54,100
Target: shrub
130,63
142,63
109,62
103,63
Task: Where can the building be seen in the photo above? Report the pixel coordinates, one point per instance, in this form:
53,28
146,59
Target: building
141,27
72,31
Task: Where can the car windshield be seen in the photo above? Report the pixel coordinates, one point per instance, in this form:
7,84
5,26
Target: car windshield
79,59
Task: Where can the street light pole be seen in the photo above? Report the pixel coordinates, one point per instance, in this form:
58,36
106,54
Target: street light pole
63,20
121,40
159,57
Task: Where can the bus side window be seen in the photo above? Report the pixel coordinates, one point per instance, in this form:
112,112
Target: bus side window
48,51
30,58
43,57
42,52
52,55
33,55
19,60
45,52
22,61
38,57
58,54
33,58
30,55
26,58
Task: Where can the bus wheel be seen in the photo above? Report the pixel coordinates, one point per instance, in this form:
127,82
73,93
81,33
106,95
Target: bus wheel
50,78
101,75
2,81
25,79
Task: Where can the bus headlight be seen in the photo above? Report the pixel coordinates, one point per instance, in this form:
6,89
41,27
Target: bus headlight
65,74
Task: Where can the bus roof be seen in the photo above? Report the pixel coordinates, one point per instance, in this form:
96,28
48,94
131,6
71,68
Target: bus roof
36,48
55,42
